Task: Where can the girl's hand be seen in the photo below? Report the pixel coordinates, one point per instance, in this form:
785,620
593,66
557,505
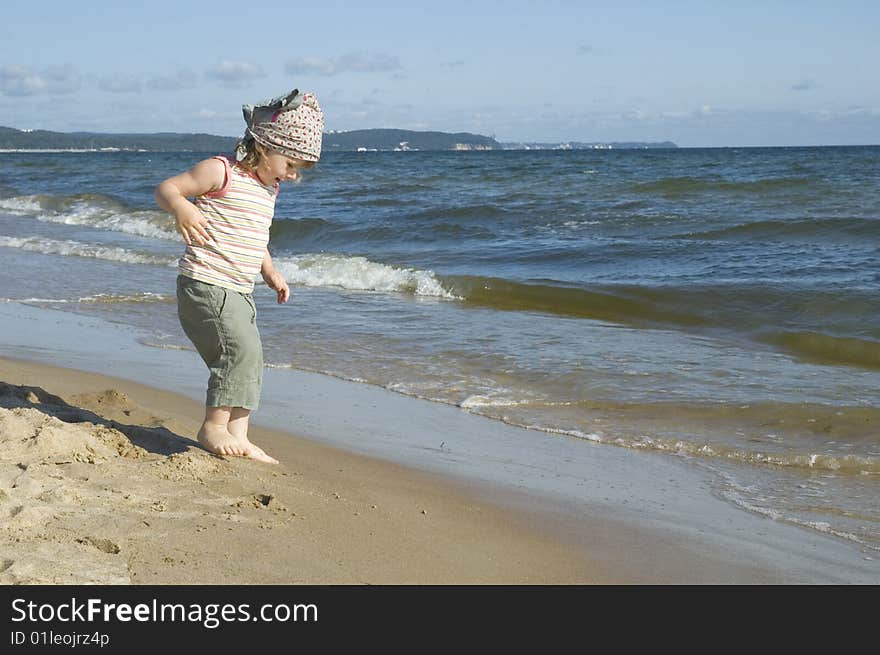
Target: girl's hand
206,176
191,223
274,280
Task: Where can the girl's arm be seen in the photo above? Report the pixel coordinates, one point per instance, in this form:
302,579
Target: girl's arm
206,176
274,279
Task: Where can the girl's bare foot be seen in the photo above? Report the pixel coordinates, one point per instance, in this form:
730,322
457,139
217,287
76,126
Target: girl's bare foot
255,452
219,441
237,425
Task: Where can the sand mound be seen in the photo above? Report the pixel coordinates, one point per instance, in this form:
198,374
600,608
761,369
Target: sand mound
79,488
29,435
111,404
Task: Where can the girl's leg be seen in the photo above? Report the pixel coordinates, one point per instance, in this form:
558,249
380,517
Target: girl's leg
222,326
238,422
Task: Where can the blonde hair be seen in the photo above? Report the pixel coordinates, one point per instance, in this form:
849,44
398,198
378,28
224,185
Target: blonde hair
254,155
256,152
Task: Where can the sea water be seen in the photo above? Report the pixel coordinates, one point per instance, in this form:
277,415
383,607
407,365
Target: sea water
717,305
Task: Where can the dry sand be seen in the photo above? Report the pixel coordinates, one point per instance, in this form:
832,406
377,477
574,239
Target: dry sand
101,482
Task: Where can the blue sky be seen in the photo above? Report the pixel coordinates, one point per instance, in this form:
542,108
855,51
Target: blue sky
705,73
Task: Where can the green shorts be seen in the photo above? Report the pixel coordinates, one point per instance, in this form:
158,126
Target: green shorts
222,324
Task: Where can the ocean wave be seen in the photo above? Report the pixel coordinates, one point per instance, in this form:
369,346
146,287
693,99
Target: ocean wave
680,186
287,233
503,294
398,188
297,233
517,410
296,229
749,309
797,425
92,210
852,464
799,436
745,310
807,229
742,497
359,274
482,211
384,202
827,349
79,249
794,436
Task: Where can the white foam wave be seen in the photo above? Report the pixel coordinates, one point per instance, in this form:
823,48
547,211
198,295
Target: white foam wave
22,205
738,495
166,346
139,223
92,212
111,298
79,249
578,434
477,400
580,223
359,273
865,465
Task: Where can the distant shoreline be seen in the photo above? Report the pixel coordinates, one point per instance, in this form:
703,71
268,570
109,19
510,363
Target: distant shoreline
107,150
379,140
145,150
14,140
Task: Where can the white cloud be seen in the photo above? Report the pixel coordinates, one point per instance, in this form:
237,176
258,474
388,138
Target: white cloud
16,80
235,73
312,65
19,81
862,111
353,62
182,79
804,85
119,84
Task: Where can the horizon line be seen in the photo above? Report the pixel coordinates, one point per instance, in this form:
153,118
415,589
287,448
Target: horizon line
524,142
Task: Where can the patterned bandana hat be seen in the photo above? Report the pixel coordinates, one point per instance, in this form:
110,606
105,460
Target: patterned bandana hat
292,124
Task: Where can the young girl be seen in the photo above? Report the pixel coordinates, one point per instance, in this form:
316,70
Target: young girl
226,230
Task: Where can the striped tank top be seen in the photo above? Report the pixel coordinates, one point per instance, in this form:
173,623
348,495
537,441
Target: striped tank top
239,216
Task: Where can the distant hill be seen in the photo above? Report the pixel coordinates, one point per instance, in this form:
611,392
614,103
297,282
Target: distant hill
167,141
354,140
388,139
378,139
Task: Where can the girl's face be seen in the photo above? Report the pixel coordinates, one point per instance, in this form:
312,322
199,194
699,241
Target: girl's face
275,168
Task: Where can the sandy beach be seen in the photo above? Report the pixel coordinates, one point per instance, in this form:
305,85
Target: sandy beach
101,481
100,484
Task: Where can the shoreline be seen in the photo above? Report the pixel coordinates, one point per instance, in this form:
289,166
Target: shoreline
564,511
